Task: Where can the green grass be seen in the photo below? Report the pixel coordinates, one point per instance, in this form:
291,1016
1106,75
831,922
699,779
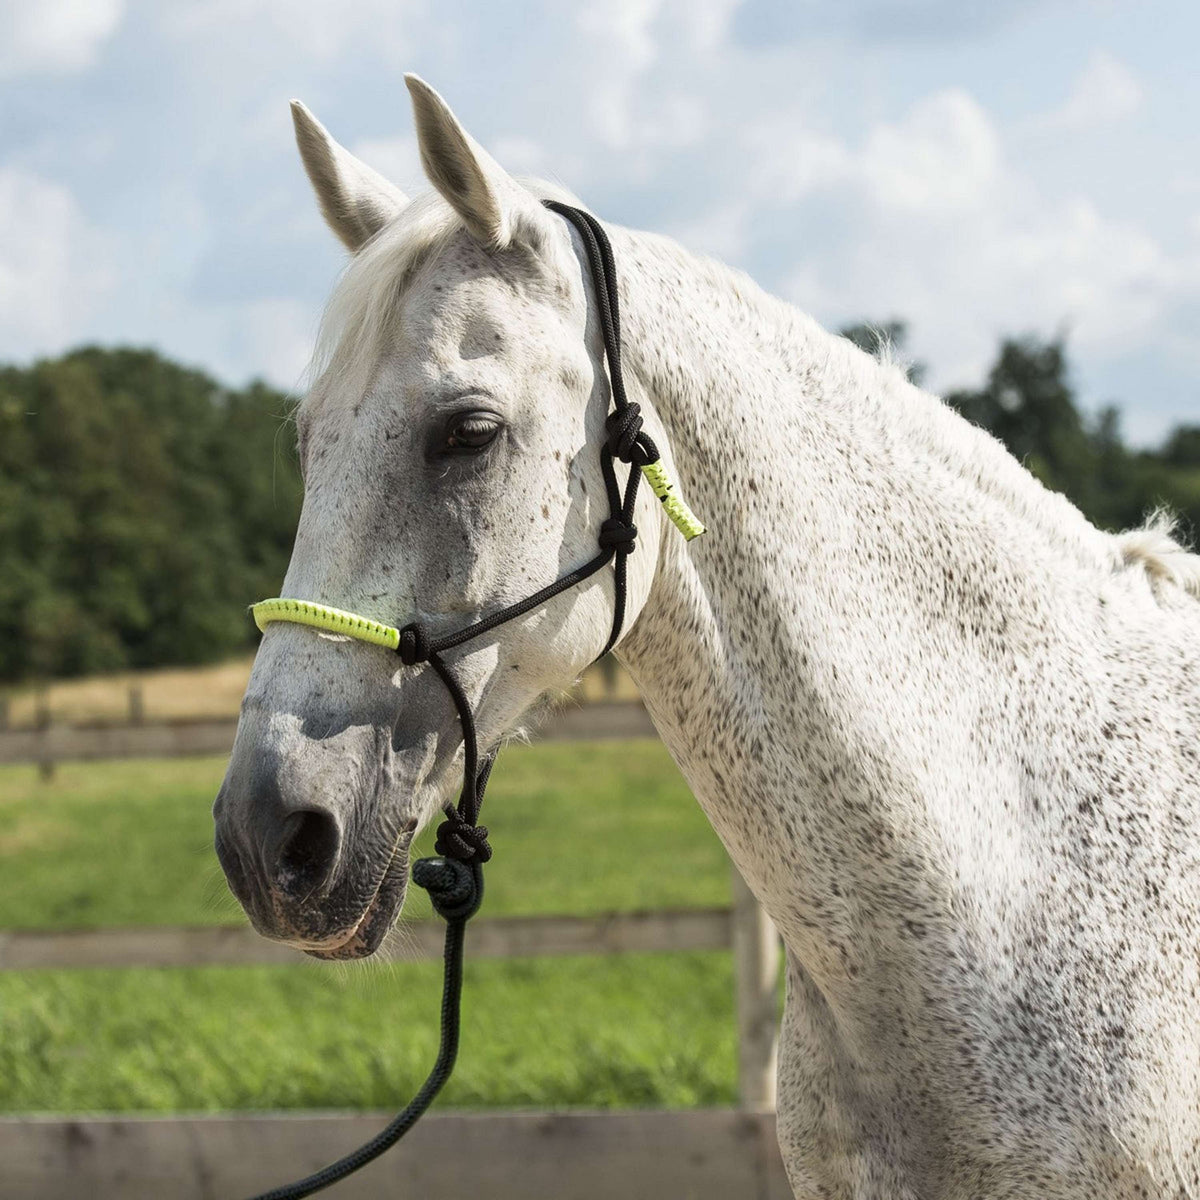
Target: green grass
624,1031
577,827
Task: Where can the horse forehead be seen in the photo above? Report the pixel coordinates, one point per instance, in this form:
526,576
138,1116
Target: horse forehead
467,315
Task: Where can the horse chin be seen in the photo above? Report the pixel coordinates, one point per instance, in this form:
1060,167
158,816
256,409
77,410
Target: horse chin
376,921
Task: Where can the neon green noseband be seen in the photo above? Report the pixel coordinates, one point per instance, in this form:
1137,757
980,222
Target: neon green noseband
321,616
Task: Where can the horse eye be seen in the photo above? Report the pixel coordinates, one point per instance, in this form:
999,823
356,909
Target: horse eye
470,433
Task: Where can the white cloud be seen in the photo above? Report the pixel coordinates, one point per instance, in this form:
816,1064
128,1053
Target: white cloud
522,155
634,46
54,35
944,155
278,333
53,266
720,231
316,29
933,223
397,159
1105,90
626,25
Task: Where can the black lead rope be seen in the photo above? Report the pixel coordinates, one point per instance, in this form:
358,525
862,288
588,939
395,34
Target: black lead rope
454,879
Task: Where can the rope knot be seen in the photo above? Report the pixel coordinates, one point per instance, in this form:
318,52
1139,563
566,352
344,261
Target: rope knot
623,427
458,839
414,645
618,534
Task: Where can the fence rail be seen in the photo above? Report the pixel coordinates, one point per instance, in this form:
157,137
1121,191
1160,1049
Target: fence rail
698,1155
179,739
494,937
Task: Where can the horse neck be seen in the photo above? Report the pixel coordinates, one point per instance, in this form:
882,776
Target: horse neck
857,529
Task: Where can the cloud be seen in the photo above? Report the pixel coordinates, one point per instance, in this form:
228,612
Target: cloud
315,29
1104,91
54,267
943,156
396,159
639,44
831,149
38,36
926,217
774,22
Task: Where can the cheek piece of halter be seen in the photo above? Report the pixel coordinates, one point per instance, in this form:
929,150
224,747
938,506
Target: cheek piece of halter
454,879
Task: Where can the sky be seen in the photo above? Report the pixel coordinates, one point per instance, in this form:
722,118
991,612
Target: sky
978,168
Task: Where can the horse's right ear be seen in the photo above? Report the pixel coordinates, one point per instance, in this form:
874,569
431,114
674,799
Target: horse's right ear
356,201
491,203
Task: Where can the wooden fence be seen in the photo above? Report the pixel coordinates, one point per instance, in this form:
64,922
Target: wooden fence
699,1155
703,1155
744,928
51,744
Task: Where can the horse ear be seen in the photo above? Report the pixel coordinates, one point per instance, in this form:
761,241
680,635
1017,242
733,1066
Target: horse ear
356,201
487,198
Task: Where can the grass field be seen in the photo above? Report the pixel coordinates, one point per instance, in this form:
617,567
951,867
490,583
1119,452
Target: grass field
652,1030
581,827
577,827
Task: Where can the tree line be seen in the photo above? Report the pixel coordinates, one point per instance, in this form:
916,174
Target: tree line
143,506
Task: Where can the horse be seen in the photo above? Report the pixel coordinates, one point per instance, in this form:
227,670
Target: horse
944,726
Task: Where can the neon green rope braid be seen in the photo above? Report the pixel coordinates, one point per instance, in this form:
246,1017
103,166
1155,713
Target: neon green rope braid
663,487
321,616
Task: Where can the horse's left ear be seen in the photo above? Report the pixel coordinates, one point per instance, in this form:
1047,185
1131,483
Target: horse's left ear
494,206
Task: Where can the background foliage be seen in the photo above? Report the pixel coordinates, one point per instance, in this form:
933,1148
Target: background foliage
143,505
1029,403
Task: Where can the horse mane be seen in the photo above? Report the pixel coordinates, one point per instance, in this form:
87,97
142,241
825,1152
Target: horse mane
1158,551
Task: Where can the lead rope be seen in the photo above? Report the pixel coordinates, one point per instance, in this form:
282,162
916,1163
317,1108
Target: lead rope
454,879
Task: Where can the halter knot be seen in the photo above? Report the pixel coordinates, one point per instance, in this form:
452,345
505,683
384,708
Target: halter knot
619,534
625,440
414,645
460,840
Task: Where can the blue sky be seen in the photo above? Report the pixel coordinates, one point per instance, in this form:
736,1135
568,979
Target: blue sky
979,169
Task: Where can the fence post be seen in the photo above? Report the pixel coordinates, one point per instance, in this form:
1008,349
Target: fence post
137,704
43,720
756,976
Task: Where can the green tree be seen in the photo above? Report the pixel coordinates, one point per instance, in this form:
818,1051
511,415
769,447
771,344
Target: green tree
1029,403
142,507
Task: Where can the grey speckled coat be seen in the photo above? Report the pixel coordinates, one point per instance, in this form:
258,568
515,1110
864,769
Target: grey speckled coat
946,729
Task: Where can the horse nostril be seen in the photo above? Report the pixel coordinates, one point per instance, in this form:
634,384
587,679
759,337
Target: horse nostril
307,851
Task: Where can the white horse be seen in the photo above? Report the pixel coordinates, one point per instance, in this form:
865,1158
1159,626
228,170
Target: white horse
945,727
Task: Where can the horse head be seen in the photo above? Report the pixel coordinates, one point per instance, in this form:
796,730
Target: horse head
449,446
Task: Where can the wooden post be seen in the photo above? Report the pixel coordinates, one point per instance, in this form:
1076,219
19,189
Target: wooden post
42,720
608,669
756,976
137,705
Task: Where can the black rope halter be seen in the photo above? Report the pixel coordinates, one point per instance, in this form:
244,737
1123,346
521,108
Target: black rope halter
454,879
